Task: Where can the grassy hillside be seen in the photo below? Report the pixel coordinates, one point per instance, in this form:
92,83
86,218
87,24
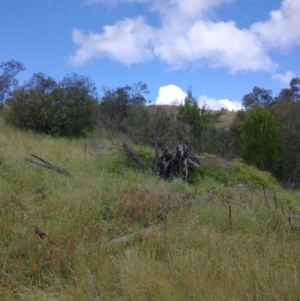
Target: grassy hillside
190,251
227,119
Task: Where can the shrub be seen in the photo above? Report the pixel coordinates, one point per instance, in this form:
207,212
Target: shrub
63,109
263,146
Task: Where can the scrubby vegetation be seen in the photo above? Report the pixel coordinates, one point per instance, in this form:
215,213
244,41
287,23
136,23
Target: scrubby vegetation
106,230
194,251
59,109
265,133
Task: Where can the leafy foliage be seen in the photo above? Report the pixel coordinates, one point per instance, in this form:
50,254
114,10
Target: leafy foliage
262,145
284,109
258,96
60,109
152,126
31,105
68,108
75,106
231,137
201,132
115,103
287,115
8,78
291,94
295,88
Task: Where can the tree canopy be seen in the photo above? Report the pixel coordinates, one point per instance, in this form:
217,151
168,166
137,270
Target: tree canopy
66,108
262,145
201,131
265,133
115,103
258,96
8,80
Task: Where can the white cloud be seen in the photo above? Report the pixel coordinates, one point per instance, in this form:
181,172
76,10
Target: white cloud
170,95
126,41
218,104
282,30
187,35
172,11
219,44
284,79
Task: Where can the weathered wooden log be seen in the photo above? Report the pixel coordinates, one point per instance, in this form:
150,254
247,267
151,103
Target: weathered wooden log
41,162
135,157
192,163
177,165
122,239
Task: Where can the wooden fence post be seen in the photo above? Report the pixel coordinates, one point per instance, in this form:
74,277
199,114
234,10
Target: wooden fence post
230,219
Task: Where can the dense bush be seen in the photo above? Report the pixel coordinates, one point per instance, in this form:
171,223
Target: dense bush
60,109
286,114
262,144
200,130
115,103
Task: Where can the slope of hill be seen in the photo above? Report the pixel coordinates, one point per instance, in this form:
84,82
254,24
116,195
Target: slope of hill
185,244
227,119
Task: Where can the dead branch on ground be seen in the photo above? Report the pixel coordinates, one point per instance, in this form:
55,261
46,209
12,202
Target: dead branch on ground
122,239
41,162
135,157
42,234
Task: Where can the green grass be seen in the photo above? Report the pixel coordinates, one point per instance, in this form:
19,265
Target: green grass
192,253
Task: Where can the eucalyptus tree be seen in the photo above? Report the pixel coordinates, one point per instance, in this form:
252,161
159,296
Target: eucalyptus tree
115,103
8,81
258,96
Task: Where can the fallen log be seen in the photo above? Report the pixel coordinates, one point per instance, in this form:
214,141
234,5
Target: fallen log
135,157
41,162
192,163
122,239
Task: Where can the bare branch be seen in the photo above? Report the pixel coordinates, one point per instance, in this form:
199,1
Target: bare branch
47,164
135,157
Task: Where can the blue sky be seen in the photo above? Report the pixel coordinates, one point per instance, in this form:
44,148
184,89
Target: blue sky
219,48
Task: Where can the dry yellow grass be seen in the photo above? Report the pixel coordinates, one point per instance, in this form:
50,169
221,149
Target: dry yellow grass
227,119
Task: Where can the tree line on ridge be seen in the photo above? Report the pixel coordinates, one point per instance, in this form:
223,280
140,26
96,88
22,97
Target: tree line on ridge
266,133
